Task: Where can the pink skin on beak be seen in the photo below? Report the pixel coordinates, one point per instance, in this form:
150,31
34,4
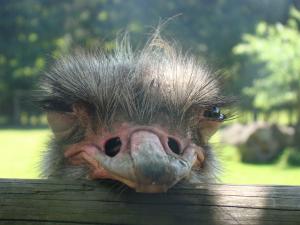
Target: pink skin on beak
144,160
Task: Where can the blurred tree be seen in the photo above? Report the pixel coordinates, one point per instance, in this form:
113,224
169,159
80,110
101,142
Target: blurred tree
276,51
32,31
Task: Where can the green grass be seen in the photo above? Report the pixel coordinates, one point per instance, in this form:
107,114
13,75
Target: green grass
236,172
20,152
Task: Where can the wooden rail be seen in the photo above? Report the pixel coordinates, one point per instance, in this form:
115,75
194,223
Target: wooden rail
86,202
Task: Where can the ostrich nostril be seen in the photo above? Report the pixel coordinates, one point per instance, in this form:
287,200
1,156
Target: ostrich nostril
113,146
174,146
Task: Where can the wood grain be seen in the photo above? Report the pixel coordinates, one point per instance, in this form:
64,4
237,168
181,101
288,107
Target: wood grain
87,202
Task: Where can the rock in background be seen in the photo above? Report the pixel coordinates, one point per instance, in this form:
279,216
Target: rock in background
258,142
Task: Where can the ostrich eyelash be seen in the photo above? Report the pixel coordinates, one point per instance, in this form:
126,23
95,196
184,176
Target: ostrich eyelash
55,105
214,113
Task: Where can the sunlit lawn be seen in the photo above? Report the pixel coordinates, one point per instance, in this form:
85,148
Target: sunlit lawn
240,173
20,152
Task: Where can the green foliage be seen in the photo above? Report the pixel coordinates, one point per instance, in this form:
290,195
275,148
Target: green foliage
276,49
34,31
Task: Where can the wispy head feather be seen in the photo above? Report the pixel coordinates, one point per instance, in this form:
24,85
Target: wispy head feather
140,85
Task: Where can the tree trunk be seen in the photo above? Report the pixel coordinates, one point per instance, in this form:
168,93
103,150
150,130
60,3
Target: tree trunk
290,115
255,115
297,126
16,108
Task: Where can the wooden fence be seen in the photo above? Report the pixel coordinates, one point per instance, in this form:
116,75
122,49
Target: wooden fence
86,202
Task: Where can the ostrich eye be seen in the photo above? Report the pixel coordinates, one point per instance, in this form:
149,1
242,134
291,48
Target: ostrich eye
214,113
